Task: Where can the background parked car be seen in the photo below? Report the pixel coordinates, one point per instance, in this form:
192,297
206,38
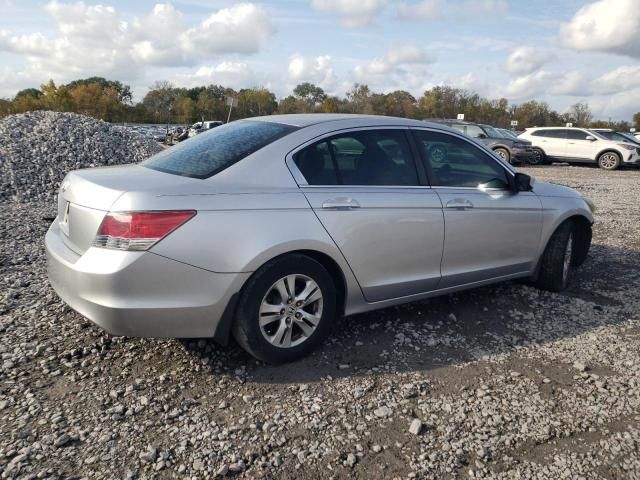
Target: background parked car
512,150
580,145
616,136
200,127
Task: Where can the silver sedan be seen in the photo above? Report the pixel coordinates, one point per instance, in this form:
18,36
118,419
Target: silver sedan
271,229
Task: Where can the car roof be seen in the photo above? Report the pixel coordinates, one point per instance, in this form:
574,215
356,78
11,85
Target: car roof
307,119
555,128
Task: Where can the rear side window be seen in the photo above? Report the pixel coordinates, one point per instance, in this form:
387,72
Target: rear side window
209,153
539,133
557,133
373,157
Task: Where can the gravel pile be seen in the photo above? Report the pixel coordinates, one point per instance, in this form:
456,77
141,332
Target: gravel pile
500,382
37,149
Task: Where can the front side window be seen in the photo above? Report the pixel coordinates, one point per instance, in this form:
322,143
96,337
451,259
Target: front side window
454,162
578,135
211,152
366,157
492,132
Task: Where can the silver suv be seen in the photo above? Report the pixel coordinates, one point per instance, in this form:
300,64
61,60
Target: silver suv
580,145
275,227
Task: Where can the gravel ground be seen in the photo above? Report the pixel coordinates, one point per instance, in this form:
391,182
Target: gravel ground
499,382
38,148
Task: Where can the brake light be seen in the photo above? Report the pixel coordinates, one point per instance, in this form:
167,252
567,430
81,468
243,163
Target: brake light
138,230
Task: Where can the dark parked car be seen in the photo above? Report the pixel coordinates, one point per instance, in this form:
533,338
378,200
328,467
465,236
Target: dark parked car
511,150
617,136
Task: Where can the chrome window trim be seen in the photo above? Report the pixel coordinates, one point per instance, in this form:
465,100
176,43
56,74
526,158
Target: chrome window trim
302,182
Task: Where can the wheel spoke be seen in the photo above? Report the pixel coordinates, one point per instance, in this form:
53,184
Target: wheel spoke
311,318
279,337
307,330
309,287
290,283
314,297
281,286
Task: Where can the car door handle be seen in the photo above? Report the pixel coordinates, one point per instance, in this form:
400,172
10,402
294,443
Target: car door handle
459,204
340,203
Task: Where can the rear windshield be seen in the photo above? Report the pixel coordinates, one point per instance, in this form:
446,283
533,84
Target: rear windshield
208,153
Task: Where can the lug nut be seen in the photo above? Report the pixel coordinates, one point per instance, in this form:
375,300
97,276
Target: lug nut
298,315
298,304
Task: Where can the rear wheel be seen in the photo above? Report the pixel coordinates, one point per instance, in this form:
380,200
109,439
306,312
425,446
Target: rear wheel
556,264
538,157
286,309
609,161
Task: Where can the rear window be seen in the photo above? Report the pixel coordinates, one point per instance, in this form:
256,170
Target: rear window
211,152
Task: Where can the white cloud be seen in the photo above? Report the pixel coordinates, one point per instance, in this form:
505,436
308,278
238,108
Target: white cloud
618,80
317,70
605,25
524,60
543,82
419,11
238,74
398,56
354,13
97,40
404,67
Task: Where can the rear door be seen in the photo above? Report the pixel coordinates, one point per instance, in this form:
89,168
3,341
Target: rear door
491,231
365,188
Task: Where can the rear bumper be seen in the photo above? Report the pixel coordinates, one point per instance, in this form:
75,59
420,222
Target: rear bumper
139,294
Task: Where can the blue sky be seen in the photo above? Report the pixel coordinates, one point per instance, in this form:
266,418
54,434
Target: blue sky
557,51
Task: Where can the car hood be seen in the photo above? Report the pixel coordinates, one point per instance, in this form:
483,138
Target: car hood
552,190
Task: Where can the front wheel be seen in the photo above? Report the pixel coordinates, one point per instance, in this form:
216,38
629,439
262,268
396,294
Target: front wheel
286,309
609,161
504,154
556,264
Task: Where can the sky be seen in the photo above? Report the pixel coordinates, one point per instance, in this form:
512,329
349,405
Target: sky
558,51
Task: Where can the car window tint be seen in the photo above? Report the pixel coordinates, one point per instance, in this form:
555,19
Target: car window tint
216,149
577,135
557,133
372,157
454,162
539,133
474,131
316,164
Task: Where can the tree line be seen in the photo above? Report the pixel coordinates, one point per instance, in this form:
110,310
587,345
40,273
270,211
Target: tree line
165,103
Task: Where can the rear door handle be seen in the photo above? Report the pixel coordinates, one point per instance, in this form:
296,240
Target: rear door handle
459,204
340,203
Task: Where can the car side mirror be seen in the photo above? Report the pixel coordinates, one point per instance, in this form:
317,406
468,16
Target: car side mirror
524,182
482,135
590,138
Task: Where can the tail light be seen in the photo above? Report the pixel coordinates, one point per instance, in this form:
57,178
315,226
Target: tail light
138,230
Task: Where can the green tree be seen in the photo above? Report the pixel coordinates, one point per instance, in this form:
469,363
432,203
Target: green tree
310,93
360,99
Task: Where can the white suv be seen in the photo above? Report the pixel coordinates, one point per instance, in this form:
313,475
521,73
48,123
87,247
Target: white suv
580,145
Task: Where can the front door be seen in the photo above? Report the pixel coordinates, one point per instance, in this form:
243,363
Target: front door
554,143
490,230
364,187
579,147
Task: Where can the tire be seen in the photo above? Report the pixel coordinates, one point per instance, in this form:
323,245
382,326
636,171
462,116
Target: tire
284,337
538,157
504,154
609,161
581,243
554,273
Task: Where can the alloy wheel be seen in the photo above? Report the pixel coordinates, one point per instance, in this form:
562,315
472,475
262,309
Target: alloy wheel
290,311
608,161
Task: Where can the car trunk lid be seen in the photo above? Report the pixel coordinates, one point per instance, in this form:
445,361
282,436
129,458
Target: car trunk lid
85,197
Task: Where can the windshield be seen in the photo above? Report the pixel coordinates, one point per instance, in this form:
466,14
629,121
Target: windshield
508,134
492,132
218,148
618,137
